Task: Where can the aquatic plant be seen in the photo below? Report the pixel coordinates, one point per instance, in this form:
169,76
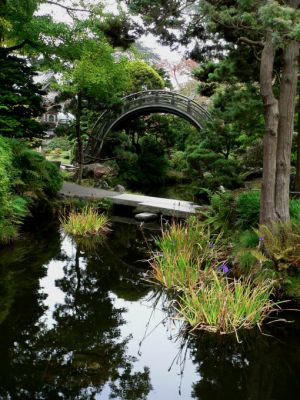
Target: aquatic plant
225,305
87,222
184,251
193,265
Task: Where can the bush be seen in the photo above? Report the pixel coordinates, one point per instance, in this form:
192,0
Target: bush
12,208
221,213
241,212
247,206
34,173
280,244
61,142
24,175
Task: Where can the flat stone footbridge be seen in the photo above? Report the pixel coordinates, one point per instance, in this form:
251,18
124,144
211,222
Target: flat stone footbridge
157,205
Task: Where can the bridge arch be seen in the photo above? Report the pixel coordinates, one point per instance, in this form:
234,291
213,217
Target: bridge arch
142,103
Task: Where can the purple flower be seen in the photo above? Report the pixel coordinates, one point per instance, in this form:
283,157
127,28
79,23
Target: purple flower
261,239
211,245
223,268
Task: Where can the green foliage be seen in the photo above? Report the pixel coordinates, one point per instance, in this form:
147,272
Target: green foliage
220,214
243,244
241,211
192,263
248,239
185,251
127,164
34,173
247,209
12,208
280,244
142,165
292,287
142,77
225,306
210,170
295,209
152,162
87,222
24,176
98,73
20,99
59,142
237,118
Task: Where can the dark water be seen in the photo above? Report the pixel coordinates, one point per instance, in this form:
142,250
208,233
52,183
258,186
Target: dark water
77,322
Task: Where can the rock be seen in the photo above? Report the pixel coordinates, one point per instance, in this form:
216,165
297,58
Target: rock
119,188
96,171
145,216
104,185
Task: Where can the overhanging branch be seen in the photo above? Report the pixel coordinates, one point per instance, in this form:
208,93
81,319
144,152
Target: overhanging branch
246,40
67,8
6,50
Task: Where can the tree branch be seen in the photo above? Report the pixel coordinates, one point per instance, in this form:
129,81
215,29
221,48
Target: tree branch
246,40
69,9
6,50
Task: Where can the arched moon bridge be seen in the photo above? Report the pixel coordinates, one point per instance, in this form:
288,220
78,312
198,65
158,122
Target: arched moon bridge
141,103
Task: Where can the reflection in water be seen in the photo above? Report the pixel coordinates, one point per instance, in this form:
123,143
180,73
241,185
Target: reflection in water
72,317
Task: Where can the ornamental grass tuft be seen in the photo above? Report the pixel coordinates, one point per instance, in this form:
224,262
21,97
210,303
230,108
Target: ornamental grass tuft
193,265
87,222
185,251
225,305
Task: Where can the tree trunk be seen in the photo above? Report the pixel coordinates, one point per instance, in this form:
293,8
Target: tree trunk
288,90
298,152
267,205
78,137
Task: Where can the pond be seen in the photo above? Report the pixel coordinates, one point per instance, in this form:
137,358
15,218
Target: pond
81,322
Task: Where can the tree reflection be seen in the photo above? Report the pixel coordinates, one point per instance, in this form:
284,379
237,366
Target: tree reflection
261,368
82,351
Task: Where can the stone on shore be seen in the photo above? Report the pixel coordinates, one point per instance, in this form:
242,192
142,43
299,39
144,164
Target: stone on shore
145,216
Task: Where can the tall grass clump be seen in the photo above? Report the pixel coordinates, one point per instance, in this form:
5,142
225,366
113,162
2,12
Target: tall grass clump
223,305
87,222
193,264
184,251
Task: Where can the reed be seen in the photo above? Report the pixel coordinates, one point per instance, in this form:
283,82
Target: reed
192,264
87,222
225,306
185,251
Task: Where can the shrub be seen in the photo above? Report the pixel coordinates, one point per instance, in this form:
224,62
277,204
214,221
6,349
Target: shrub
24,175
221,213
248,205
295,209
61,142
243,244
85,223
280,244
247,209
34,173
12,208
